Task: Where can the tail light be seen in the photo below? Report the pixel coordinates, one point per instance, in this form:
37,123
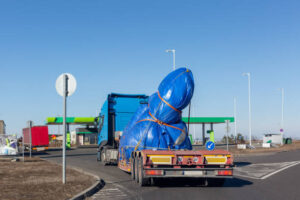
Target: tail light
225,173
154,172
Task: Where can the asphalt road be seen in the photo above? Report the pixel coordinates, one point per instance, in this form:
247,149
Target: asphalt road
270,176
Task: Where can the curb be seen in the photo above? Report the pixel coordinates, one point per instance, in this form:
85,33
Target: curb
89,191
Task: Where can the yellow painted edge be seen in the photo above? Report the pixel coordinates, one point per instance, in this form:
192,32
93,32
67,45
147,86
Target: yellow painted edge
161,156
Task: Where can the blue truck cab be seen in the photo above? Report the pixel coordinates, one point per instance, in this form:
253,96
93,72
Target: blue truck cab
115,114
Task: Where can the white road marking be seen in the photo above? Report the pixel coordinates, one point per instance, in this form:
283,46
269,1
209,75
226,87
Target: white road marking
110,193
263,170
275,172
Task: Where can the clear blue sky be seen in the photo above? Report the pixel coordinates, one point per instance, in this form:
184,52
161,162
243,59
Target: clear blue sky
119,46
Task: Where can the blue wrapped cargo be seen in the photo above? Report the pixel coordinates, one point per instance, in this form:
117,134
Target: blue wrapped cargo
158,125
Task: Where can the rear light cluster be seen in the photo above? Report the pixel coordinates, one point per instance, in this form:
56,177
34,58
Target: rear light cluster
225,173
154,172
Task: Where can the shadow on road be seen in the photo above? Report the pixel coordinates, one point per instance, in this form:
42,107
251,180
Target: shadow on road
242,164
196,182
45,155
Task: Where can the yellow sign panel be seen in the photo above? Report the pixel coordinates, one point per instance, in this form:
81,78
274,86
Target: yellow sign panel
216,160
162,160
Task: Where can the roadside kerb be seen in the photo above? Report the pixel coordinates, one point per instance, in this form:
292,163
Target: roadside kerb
89,191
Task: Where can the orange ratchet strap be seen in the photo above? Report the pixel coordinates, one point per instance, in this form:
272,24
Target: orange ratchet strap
160,122
167,103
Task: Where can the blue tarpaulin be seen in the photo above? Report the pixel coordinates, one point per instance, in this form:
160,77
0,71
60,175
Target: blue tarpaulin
158,125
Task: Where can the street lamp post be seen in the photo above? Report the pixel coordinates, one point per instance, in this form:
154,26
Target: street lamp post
249,102
173,52
282,109
234,113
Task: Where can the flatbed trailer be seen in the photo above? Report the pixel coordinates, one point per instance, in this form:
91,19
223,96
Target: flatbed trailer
145,165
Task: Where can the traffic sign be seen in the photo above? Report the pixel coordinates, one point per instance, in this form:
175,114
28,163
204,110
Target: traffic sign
71,84
210,145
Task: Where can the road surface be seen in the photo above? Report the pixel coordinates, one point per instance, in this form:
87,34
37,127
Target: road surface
271,176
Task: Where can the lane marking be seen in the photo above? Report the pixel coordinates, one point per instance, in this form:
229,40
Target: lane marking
110,193
275,172
263,170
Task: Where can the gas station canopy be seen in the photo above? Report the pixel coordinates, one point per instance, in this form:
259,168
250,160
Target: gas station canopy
71,120
207,120
91,120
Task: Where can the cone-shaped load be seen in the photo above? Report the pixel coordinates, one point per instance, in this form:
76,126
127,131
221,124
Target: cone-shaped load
158,125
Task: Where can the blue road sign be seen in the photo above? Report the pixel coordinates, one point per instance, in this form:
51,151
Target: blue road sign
210,145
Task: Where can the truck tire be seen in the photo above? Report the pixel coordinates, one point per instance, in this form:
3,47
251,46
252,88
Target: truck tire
142,180
132,168
102,158
136,174
98,155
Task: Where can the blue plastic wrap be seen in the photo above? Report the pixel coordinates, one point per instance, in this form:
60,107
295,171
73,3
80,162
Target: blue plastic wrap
158,125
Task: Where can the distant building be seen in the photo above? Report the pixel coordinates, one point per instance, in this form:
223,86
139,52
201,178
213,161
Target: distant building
273,138
2,127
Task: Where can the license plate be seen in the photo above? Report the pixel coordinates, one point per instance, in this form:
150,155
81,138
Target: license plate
193,173
40,148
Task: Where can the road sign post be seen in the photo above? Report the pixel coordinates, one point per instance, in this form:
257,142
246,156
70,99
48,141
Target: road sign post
30,138
23,147
65,86
65,89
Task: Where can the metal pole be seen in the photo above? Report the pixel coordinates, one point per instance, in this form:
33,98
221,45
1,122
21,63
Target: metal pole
282,109
173,53
282,113
203,134
174,66
30,138
189,116
249,94
64,127
249,101
23,147
227,130
234,113
194,127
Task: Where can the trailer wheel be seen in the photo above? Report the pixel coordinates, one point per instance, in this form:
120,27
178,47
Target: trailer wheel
102,157
136,174
152,181
142,181
132,165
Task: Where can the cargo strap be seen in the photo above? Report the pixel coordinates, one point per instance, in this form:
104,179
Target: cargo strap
168,103
154,119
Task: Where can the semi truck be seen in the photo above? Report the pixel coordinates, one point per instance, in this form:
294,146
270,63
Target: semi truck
39,138
148,164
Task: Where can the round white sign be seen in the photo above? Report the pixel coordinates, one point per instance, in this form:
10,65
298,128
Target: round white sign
71,84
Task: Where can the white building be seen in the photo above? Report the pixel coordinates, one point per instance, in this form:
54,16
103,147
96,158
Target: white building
273,138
